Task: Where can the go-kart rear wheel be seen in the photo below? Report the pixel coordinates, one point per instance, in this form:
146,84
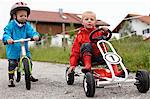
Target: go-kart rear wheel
89,84
69,77
142,83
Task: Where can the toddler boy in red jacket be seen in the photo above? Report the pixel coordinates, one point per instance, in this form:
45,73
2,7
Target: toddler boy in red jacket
83,49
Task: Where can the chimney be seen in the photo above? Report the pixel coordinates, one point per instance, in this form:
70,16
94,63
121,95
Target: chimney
61,11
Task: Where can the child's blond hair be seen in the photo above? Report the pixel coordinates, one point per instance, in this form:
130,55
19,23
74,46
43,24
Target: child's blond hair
88,13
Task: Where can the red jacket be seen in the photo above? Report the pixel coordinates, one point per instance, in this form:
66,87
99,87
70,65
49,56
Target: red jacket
81,38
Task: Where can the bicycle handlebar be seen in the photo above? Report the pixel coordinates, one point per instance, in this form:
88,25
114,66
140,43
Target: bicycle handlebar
22,40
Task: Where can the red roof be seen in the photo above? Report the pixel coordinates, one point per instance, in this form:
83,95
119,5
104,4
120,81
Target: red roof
145,19
46,16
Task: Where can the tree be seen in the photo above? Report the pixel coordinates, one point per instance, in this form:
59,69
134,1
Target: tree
71,32
126,28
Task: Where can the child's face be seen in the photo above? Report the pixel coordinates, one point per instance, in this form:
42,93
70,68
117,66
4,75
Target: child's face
89,21
21,16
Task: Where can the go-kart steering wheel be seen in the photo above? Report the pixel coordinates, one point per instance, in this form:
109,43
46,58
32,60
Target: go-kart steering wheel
100,37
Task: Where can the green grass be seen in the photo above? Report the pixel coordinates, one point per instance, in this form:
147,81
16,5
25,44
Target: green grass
2,51
51,54
134,51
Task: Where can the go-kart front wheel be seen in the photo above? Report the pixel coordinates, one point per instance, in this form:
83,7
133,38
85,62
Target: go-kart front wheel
142,83
89,84
69,77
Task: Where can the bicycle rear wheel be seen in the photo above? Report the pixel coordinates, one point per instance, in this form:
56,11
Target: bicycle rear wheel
25,63
18,76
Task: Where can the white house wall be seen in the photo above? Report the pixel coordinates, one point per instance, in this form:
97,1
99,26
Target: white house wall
139,26
115,35
57,40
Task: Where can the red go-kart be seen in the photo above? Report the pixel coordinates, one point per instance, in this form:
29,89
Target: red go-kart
105,75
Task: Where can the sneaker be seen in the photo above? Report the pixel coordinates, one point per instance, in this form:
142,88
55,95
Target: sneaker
33,79
11,83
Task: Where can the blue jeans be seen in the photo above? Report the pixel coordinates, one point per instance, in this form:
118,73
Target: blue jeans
87,47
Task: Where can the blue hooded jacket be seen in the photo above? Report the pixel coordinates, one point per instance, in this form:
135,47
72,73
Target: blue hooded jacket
13,31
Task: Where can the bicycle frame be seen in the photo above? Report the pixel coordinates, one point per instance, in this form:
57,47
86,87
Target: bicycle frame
23,54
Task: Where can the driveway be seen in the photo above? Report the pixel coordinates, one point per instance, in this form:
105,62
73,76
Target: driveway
52,85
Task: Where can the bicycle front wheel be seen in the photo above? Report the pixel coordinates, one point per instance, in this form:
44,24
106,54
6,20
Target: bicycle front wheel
26,64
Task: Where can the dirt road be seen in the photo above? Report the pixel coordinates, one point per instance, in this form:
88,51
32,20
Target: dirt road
52,85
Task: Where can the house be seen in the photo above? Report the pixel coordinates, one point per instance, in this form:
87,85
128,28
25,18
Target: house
133,24
52,22
57,23
57,40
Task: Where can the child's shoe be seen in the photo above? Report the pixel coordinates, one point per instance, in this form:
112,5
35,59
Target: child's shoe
33,79
11,83
87,62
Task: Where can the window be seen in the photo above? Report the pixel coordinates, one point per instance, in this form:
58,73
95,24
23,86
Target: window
146,31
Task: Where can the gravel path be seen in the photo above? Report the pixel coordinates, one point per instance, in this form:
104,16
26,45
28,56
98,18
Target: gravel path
52,85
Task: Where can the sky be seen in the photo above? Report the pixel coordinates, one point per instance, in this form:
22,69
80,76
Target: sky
109,11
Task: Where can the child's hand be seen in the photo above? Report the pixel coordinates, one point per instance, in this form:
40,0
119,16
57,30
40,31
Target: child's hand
36,38
10,41
105,30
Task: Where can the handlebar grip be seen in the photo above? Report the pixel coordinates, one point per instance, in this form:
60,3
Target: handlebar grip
32,39
5,43
39,39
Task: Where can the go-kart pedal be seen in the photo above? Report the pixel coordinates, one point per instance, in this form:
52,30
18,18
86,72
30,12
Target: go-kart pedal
85,70
123,73
76,75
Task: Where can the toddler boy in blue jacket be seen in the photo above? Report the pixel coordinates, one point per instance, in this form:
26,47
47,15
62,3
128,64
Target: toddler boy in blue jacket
18,28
